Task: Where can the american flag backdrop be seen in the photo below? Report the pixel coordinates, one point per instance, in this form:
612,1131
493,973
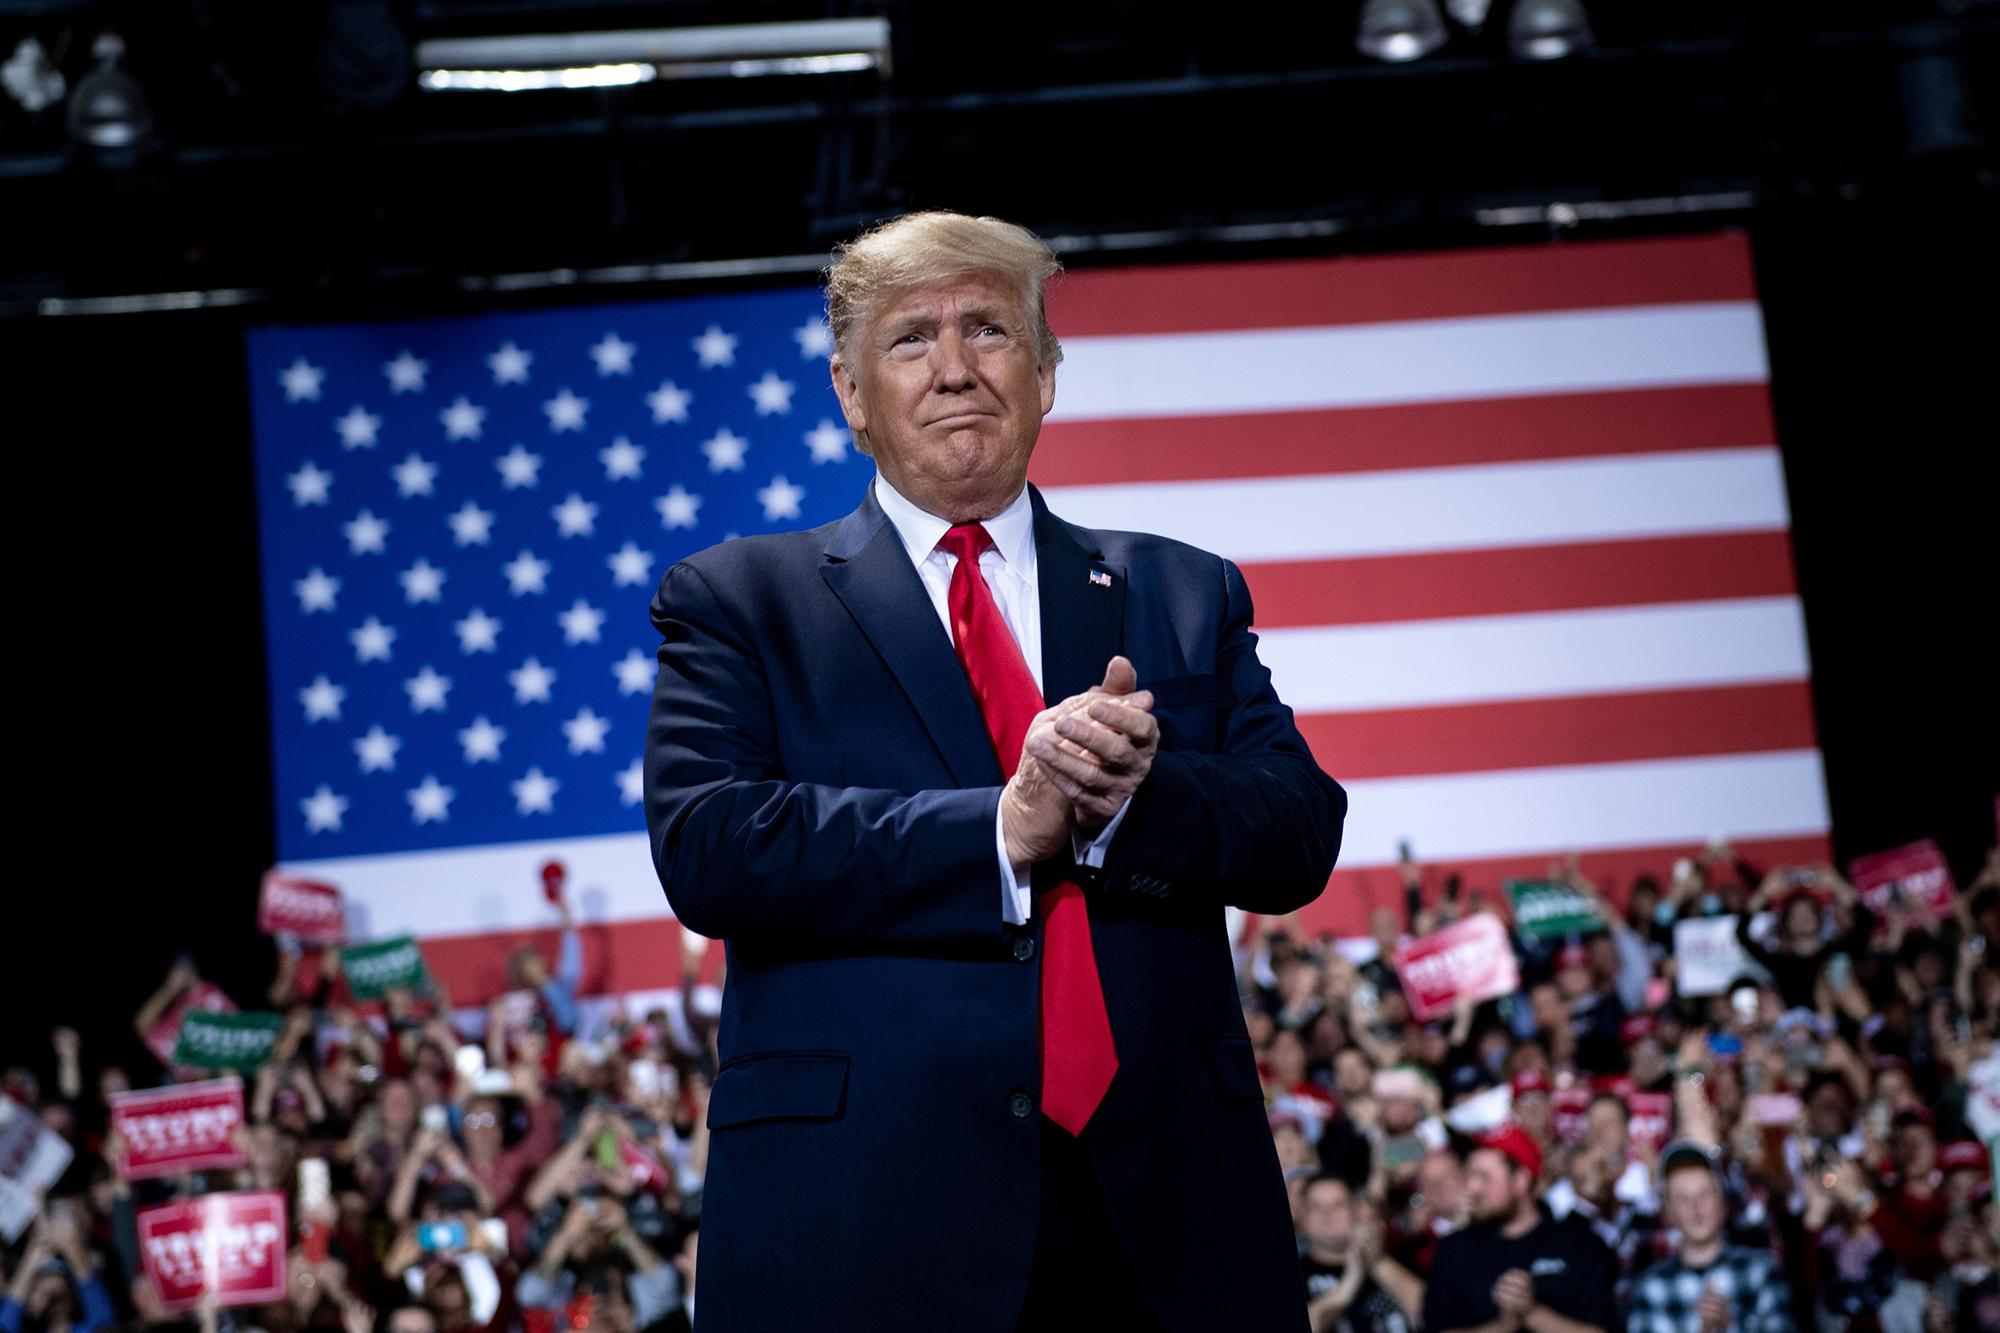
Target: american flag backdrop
1514,521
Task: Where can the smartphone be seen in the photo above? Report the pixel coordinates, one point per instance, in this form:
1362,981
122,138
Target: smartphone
1800,876
441,1237
1723,1043
1743,1003
433,1117
1684,867
494,1232
1775,1108
644,1076
470,1061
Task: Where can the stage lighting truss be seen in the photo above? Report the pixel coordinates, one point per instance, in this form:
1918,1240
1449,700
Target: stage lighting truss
618,59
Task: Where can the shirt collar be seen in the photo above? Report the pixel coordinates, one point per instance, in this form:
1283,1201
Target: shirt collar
1012,529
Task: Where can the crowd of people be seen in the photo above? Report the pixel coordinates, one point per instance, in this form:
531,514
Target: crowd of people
542,1169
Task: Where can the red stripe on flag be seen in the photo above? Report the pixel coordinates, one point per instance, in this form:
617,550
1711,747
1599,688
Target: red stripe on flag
1574,729
1410,435
1352,893
617,957
1367,590
1370,289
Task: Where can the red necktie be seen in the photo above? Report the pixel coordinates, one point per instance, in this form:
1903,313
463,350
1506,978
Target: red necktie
1077,1056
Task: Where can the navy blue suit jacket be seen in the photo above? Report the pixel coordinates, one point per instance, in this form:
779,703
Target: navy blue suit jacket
821,794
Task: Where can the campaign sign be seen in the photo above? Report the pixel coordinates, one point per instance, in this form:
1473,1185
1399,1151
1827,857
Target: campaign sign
226,1041
389,965
1915,873
1545,910
1707,955
32,1157
289,905
229,1244
184,1127
1652,1121
202,997
1471,958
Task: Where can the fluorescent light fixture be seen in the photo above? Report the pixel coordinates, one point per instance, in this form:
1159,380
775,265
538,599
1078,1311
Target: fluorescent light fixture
617,59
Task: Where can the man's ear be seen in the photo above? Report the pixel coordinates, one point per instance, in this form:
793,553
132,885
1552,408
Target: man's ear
848,391
1046,372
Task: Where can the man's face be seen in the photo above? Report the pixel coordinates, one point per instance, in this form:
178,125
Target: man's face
1329,1215
412,1319
1441,1180
1607,1129
1536,1114
1694,1204
1489,1185
948,382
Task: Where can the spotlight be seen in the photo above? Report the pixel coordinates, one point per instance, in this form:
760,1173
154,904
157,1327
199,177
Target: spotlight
1548,29
1399,29
109,109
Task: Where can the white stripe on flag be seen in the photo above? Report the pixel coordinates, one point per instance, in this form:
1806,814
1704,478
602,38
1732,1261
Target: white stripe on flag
1547,654
1585,807
1337,515
1410,361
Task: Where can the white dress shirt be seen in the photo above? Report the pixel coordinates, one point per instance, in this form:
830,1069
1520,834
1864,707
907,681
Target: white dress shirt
1009,568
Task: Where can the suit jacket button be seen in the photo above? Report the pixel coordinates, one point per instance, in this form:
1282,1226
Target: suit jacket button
1021,1104
1024,948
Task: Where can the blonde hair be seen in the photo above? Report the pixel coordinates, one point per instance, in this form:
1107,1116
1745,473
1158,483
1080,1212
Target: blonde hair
918,249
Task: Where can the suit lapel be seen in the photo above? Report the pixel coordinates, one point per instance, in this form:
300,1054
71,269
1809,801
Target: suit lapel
870,571
1083,605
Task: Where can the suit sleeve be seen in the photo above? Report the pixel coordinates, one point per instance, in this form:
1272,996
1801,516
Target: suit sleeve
744,852
1255,820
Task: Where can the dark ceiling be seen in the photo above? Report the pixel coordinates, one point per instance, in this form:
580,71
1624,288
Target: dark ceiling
1161,127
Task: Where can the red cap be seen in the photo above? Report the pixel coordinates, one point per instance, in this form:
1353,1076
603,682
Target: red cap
1960,1155
1914,1114
1514,1142
1279,1119
1636,1028
1531,1080
1618,1085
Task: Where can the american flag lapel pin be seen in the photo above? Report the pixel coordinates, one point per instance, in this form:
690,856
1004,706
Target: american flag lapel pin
1100,578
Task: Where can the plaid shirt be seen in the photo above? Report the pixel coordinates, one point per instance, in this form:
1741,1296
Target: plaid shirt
1665,1295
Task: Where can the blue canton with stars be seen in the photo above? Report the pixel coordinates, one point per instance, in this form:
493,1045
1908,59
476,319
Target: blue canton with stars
463,523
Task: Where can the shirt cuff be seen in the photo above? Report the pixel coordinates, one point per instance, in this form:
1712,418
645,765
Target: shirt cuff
1091,852
1014,886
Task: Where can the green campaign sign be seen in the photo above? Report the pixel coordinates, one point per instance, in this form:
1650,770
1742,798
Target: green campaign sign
226,1041
374,968
1545,910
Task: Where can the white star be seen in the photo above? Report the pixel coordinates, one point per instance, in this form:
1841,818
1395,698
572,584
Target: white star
827,441
634,672
815,339
586,732
677,508
316,591
414,476
581,623
630,566
575,517
519,468
613,355
357,428
406,373
510,364
477,633
422,582
632,783
715,348
772,394
669,403
365,534
323,810
725,451
482,740
309,485
565,410
471,525
428,802
621,460
427,690
780,499
371,642
377,750
535,793
322,700
525,574
531,682
302,380
462,420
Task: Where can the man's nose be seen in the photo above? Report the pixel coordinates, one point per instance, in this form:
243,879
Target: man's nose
951,361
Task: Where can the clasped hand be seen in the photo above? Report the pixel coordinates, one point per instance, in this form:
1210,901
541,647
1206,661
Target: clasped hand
1081,761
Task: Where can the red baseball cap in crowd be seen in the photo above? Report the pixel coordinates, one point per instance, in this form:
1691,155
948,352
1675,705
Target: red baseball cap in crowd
1279,1119
1514,1142
1636,1028
1913,1114
1529,1081
1961,1155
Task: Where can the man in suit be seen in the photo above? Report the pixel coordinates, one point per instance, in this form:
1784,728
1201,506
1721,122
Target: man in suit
983,1060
